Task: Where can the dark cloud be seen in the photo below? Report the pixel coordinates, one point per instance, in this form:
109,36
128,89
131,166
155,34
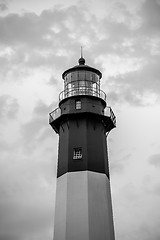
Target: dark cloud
49,29
156,189
5,146
155,160
136,86
8,237
3,5
147,231
141,218
32,132
27,218
115,35
150,14
21,29
9,107
53,81
152,187
118,165
37,130
40,40
27,193
41,109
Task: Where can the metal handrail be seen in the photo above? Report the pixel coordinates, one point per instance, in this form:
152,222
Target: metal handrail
113,117
107,112
54,114
82,91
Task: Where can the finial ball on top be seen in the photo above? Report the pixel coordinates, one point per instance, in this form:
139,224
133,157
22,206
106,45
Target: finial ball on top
81,61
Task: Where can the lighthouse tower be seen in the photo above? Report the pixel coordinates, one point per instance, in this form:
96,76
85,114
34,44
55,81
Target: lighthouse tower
83,209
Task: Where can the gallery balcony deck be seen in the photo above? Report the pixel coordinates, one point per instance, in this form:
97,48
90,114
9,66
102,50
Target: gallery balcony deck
107,115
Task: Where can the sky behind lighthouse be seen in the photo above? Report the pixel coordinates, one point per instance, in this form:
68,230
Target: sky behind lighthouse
39,40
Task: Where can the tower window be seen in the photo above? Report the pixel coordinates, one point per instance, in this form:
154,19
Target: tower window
78,104
77,154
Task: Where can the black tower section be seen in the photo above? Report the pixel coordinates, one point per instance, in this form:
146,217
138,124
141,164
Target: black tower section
82,121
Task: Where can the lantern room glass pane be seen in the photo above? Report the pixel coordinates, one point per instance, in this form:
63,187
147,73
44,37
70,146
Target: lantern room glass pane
87,75
93,77
74,76
96,78
81,75
69,77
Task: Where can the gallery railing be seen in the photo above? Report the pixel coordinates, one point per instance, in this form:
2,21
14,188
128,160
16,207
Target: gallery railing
107,112
82,91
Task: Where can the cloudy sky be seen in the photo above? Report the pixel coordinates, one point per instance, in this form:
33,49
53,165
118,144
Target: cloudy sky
38,41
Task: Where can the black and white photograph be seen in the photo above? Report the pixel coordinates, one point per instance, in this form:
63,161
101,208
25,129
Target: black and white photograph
79,120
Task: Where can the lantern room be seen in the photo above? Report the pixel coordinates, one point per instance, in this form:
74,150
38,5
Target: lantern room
82,80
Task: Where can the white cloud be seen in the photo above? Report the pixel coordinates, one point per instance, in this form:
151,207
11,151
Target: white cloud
116,65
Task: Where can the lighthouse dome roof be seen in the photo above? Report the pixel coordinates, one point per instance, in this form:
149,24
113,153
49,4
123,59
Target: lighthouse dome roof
80,67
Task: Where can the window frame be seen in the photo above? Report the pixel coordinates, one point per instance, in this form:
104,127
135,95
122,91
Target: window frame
77,153
78,104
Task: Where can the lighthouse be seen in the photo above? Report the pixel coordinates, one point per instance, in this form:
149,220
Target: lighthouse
83,208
